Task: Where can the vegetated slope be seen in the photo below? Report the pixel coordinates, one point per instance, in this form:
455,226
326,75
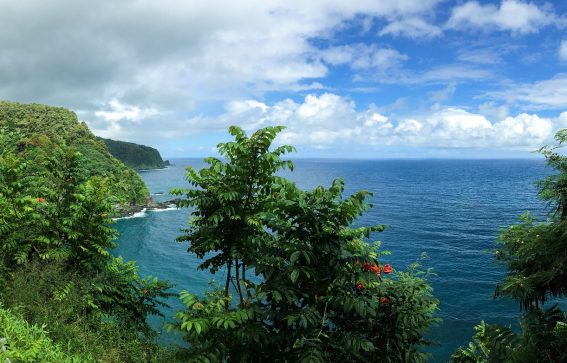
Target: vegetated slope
134,155
23,342
38,125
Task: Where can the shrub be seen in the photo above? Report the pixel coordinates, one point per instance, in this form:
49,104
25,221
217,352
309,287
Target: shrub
22,342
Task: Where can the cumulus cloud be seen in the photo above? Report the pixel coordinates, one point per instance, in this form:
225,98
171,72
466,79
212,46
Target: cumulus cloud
512,15
330,121
119,111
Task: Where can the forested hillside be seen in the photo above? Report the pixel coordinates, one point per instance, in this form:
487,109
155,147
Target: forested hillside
63,296
25,127
133,155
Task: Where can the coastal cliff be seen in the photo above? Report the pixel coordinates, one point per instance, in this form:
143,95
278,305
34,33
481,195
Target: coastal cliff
138,157
26,129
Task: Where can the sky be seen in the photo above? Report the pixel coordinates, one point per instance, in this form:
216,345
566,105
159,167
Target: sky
348,78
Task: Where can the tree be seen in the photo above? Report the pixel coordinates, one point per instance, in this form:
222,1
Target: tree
534,254
229,203
322,291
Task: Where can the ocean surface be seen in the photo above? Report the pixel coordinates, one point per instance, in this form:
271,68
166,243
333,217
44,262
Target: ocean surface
450,209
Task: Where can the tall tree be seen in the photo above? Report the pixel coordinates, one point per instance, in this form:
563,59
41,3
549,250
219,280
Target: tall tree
321,293
229,199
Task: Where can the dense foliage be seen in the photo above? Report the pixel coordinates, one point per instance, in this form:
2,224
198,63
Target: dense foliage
543,338
135,156
55,261
321,291
39,126
535,256
22,342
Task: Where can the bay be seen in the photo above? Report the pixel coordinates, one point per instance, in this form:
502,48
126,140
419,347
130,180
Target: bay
450,209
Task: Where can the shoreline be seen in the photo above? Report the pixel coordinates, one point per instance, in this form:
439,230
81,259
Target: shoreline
151,205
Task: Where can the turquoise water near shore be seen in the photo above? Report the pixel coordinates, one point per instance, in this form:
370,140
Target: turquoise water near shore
450,209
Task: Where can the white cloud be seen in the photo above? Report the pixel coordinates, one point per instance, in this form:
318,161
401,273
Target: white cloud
449,73
412,27
512,15
487,56
175,54
363,57
529,128
119,111
549,93
409,127
443,94
331,121
563,50
493,110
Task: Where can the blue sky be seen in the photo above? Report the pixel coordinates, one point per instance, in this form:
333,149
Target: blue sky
354,79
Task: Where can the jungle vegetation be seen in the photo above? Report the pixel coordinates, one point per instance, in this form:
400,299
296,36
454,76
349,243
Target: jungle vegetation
28,127
305,282
137,157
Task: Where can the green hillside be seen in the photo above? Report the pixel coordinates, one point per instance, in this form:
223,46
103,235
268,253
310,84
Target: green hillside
30,343
25,127
133,155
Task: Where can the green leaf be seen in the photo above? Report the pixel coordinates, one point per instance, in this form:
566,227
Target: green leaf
294,257
294,275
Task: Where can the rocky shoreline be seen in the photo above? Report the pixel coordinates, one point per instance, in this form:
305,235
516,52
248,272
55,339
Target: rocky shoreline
124,211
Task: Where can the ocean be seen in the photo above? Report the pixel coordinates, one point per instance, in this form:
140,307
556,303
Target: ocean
450,209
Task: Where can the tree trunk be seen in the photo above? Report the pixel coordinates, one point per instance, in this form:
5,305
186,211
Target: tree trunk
248,293
239,287
227,284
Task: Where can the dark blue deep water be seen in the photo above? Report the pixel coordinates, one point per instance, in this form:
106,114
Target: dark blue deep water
450,209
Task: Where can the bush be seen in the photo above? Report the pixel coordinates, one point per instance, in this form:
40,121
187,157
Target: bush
22,342
72,307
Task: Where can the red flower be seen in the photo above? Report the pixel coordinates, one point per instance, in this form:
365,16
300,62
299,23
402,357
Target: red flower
359,286
387,268
41,199
384,300
145,291
375,269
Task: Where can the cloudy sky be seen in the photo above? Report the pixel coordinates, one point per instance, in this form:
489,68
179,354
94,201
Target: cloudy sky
349,78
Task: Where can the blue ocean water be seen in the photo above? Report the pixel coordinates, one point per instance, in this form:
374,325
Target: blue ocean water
450,209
